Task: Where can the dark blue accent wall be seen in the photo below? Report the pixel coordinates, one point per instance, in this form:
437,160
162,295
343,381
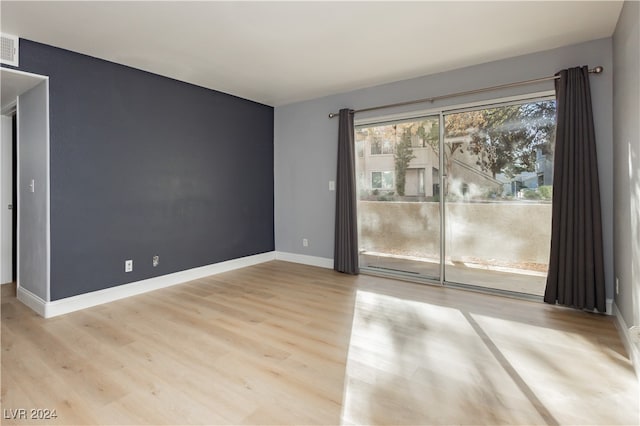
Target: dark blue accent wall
144,165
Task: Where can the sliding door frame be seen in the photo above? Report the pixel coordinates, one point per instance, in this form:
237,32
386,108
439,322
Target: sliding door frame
441,112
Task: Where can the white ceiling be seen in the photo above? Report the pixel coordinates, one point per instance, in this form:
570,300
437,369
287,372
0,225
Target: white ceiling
282,52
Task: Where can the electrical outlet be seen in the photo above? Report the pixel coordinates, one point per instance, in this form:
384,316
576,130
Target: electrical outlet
156,261
305,242
128,265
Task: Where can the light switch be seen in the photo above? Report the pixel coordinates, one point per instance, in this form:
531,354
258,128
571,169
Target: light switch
32,186
332,185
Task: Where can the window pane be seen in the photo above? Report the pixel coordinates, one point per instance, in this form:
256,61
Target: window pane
376,180
387,180
387,147
376,147
499,164
398,212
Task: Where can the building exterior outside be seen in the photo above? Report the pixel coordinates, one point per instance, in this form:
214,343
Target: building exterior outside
376,170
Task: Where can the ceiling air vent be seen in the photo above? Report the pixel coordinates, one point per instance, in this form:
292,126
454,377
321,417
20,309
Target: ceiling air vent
9,50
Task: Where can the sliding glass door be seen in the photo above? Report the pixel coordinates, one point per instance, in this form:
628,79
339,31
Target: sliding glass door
398,179
499,168
495,194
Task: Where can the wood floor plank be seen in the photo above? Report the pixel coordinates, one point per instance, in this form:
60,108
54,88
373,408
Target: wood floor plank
283,343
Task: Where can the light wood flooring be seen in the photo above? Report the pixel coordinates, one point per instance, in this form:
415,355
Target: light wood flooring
281,343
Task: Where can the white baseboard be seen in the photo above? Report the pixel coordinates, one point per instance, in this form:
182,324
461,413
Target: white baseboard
94,298
32,301
304,259
631,347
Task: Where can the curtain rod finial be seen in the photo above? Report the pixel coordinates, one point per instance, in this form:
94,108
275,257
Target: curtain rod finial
332,114
597,70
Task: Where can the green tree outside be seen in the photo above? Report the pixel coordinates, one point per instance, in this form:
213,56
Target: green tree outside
402,157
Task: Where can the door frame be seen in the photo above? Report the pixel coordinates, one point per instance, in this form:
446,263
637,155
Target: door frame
441,112
17,83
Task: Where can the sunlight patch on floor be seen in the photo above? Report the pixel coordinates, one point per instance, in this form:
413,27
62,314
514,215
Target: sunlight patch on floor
411,362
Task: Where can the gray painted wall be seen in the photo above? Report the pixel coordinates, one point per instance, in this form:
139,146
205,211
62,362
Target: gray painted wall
33,226
626,160
305,140
144,165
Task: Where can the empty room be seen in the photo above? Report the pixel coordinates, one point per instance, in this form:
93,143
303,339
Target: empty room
320,213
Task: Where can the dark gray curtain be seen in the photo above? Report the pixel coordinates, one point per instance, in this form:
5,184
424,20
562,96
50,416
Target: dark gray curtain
346,237
576,271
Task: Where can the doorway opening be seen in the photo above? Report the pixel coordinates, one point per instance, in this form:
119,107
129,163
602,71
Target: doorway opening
24,184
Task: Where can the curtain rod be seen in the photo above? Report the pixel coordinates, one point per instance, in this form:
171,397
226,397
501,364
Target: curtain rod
596,70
